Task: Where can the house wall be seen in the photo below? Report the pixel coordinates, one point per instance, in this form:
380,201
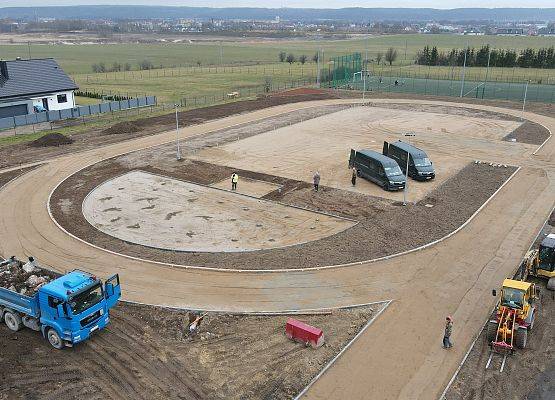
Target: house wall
53,103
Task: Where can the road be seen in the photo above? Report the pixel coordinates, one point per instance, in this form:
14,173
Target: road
399,356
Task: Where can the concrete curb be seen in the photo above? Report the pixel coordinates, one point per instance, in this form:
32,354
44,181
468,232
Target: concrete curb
231,270
343,350
300,311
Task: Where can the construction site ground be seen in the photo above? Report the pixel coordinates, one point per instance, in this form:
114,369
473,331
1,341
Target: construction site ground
529,373
400,355
328,132
148,353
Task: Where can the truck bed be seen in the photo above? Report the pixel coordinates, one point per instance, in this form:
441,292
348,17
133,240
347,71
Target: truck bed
19,302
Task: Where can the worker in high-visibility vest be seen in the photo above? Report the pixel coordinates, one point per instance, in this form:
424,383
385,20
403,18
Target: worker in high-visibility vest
234,180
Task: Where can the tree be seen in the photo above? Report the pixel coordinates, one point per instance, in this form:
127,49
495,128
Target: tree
282,56
302,59
116,67
315,57
127,67
199,63
391,55
379,57
146,65
290,58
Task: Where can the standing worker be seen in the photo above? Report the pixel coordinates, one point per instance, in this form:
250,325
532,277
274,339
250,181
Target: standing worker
354,177
316,179
447,335
234,180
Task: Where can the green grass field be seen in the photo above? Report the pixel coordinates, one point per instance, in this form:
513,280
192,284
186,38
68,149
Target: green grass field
78,59
173,84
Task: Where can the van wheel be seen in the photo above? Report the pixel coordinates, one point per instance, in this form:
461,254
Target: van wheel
13,321
54,339
358,173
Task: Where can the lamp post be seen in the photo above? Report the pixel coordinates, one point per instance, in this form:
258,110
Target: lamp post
178,154
405,191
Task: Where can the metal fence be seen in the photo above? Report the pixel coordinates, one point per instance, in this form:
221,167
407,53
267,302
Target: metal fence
77,112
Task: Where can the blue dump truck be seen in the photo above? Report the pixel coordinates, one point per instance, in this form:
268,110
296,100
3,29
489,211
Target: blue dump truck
67,310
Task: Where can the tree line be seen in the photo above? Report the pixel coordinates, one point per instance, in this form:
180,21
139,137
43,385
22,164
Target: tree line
527,58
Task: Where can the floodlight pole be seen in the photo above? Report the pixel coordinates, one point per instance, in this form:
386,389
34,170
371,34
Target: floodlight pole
318,69
464,70
524,100
178,154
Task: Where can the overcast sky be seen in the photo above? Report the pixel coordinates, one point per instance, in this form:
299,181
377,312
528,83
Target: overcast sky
296,3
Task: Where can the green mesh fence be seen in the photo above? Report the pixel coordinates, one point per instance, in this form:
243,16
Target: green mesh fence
342,70
347,72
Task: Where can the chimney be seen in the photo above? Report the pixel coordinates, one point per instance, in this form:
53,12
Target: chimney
4,69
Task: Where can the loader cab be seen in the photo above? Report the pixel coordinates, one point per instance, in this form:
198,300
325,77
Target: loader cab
546,257
420,166
517,295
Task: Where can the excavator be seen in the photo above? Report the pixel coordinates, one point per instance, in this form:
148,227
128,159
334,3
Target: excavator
514,317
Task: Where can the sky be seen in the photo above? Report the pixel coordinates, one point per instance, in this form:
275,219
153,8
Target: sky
296,3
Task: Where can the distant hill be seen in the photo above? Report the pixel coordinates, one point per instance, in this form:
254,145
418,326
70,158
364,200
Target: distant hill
297,14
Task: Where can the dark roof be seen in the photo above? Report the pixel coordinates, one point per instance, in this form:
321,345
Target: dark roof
21,78
549,241
385,160
414,151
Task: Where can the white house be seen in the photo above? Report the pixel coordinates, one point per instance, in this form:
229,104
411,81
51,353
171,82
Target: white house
28,86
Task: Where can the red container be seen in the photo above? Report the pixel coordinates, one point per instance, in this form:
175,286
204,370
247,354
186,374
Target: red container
304,333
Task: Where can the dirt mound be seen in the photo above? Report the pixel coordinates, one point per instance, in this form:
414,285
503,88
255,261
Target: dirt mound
300,92
51,139
122,128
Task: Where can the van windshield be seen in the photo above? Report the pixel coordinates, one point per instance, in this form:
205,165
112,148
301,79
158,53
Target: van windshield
422,162
393,171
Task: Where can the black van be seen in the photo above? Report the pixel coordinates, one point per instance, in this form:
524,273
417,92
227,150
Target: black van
377,168
420,166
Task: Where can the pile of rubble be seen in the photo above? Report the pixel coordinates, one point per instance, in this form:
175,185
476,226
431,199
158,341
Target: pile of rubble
24,278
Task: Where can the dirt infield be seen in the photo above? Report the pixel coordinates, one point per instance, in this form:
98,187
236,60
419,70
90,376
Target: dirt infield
170,214
529,132
147,353
452,203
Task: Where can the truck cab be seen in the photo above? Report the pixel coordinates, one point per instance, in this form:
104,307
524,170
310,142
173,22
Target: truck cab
74,306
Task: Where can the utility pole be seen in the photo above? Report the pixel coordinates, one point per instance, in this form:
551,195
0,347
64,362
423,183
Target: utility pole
29,47
405,191
221,54
178,154
464,70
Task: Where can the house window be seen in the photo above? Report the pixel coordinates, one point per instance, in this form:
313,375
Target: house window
62,98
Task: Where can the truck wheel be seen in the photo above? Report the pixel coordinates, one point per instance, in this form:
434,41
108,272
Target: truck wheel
12,320
521,337
491,331
54,339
